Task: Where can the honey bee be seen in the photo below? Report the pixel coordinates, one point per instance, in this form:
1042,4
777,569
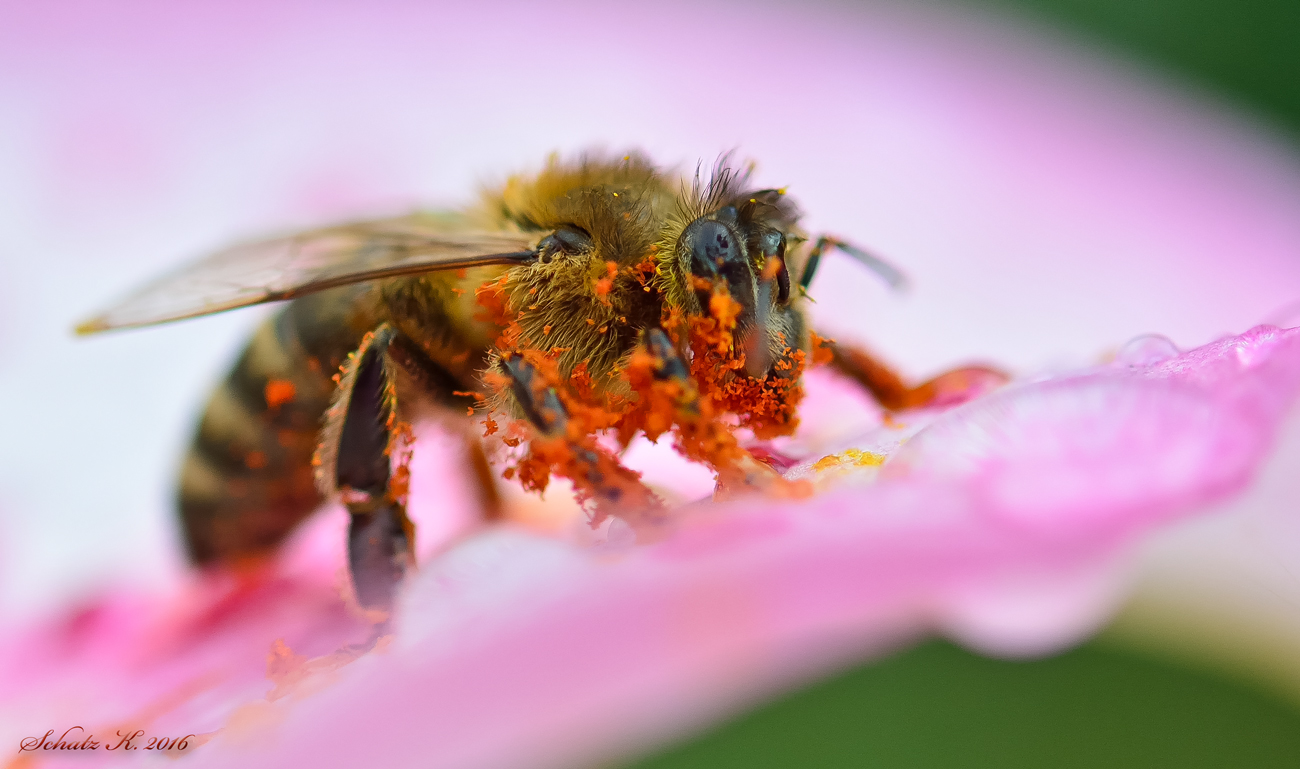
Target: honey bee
601,295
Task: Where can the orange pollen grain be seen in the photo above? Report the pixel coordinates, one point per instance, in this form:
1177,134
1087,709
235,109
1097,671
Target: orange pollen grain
279,392
603,286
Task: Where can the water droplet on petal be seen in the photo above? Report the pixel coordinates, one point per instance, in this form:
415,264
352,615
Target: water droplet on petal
1146,350
620,533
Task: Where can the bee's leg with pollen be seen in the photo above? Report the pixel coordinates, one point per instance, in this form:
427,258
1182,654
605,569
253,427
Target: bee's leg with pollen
573,453
700,437
886,386
425,383
480,469
363,424
893,393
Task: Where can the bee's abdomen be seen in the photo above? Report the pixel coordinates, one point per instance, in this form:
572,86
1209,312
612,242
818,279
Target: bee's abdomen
247,479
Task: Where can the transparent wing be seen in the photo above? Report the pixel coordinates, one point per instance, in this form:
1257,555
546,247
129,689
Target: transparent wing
282,268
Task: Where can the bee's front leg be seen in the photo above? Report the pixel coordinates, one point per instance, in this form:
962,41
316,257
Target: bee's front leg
568,448
355,459
700,436
893,393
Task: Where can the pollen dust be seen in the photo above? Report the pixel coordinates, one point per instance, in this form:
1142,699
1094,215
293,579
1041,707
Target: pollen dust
691,409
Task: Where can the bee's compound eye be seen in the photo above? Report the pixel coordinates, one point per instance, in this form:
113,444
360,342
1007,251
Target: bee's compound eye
712,247
771,245
567,239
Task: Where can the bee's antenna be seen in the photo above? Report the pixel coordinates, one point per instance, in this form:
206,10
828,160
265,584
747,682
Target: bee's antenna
891,274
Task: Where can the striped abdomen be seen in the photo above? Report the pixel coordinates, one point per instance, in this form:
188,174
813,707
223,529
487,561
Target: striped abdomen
247,479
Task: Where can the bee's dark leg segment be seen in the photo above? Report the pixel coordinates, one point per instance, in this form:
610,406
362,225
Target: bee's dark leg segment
541,406
362,465
379,536
891,274
670,366
668,363
379,550
893,393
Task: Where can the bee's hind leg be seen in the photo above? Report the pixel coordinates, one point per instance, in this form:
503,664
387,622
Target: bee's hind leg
360,435
893,393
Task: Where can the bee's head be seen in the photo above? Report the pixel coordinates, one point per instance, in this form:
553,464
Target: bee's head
741,247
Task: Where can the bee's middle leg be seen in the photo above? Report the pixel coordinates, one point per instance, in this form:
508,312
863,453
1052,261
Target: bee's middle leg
893,393
439,389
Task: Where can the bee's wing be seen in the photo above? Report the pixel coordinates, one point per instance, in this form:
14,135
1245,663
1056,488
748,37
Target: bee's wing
286,267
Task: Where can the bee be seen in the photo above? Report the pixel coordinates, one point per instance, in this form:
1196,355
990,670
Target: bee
601,295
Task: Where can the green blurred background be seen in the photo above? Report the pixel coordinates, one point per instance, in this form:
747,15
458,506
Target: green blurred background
1105,704
1245,50
939,706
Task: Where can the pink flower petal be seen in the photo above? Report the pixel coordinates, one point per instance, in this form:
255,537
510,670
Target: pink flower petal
517,649
1000,521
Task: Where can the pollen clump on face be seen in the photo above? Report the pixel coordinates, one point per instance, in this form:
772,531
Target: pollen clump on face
766,405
